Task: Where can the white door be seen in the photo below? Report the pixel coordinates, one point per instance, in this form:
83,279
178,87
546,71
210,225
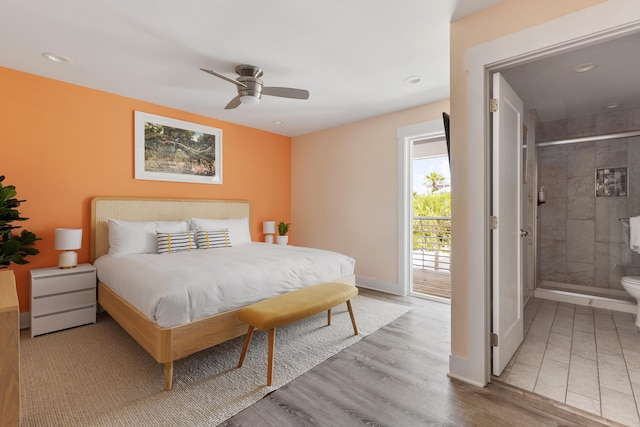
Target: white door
506,248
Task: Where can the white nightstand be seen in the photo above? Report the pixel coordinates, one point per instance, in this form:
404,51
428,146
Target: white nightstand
62,298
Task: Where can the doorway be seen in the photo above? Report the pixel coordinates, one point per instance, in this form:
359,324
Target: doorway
427,132
578,337
431,219
471,358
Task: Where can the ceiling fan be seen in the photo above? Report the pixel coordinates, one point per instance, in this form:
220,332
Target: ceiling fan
250,88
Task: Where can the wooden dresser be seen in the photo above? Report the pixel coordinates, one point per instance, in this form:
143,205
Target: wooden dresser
10,354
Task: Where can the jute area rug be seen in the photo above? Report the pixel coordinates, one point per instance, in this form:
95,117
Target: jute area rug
97,375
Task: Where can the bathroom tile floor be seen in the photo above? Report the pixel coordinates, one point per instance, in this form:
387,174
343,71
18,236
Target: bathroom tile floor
588,358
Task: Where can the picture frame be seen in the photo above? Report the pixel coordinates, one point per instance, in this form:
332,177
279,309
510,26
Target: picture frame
611,182
174,150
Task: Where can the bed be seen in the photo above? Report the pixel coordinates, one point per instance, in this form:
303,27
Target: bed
168,343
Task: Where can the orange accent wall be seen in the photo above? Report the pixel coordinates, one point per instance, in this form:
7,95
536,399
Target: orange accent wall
64,144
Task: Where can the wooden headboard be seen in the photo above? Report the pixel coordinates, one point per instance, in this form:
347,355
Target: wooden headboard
147,209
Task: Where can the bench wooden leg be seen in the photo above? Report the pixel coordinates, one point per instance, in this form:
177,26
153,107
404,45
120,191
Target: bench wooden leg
272,345
353,318
168,375
247,341
329,317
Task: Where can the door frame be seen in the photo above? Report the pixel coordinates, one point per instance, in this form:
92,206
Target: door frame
407,135
608,20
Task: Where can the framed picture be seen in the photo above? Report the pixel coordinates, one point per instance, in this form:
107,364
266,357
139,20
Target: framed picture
611,182
174,150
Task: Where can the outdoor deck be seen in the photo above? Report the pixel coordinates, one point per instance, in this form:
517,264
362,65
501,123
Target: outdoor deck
430,282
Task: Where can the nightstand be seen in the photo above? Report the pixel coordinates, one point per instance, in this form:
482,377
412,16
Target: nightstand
62,298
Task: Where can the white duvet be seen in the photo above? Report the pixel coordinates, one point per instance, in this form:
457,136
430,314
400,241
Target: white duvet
172,289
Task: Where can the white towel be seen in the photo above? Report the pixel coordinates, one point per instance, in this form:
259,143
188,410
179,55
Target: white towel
634,233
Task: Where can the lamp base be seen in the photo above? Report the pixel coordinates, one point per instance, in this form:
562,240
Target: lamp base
68,259
268,238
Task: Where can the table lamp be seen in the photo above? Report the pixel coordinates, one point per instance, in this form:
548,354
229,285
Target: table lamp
268,228
68,240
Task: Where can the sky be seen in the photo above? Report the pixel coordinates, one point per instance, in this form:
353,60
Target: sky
423,167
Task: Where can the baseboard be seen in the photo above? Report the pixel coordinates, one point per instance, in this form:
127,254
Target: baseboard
379,285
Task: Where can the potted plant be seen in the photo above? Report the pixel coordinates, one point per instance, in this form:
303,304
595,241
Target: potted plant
13,247
283,229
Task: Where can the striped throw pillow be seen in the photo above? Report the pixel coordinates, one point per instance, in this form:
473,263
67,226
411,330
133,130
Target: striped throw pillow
213,239
175,242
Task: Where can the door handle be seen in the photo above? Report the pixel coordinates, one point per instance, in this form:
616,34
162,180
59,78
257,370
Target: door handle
524,233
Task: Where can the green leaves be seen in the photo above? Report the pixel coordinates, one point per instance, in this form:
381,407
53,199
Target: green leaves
438,204
428,234
433,181
283,228
13,248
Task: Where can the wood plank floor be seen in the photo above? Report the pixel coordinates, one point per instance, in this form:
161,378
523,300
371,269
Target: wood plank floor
397,376
429,282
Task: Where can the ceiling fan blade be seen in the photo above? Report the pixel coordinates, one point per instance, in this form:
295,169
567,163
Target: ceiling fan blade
286,92
213,73
234,103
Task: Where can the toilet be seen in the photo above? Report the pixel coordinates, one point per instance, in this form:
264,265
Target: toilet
631,284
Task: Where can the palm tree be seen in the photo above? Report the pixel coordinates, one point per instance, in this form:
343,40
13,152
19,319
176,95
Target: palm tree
433,180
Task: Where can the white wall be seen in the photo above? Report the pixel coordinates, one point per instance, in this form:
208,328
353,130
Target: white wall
345,191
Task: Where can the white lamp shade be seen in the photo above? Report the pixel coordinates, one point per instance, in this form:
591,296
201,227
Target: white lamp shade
68,239
249,100
269,227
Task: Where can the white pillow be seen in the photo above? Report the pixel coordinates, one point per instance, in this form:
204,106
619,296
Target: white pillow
171,226
139,237
238,228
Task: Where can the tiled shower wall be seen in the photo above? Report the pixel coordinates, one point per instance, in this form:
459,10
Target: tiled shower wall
599,124
580,240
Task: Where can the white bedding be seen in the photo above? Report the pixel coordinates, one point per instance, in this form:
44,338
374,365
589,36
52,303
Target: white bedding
172,289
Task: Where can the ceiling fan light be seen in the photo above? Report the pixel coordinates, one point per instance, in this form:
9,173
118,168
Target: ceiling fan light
249,100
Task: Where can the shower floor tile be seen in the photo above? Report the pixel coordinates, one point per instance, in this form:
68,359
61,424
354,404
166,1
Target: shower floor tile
587,358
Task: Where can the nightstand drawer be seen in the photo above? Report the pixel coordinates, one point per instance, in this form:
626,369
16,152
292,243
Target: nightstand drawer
61,299
62,283
68,319
62,302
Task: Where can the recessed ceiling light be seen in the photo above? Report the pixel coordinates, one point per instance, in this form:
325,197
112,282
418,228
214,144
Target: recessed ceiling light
278,122
413,80
57,58
583,68
612,105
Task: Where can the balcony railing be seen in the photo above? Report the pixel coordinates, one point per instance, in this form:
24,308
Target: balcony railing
432,243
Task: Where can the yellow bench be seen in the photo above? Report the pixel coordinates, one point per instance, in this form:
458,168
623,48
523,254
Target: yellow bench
296,305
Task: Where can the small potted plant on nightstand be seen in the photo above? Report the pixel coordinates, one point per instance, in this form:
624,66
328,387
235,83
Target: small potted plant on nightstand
283,229
13,247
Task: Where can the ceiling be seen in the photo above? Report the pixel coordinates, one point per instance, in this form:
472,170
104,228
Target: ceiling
556,91
353,56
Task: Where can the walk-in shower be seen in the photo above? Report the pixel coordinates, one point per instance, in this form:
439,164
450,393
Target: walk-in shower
592,188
